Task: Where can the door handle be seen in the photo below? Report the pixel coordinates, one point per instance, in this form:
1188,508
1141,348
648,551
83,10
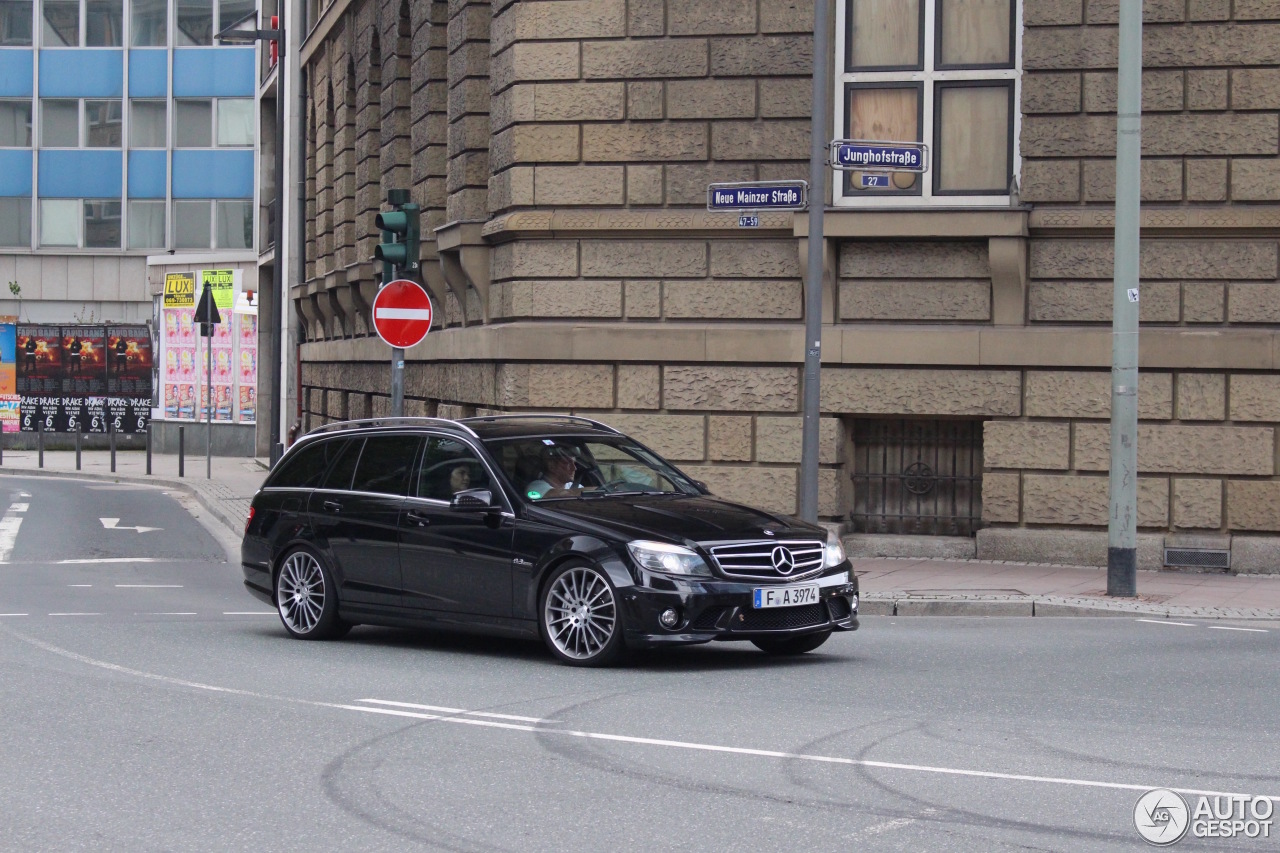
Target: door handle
333,506
418,518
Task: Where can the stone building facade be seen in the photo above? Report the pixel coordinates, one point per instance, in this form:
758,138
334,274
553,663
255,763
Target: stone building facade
561,151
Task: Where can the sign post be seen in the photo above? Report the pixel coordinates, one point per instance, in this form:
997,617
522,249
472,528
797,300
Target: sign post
207,316
398,250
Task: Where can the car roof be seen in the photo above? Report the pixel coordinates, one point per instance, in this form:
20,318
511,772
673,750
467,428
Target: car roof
485,427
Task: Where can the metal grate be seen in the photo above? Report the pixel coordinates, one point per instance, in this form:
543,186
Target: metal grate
839,607
781,618
707,619
1197,558
788,560
917,477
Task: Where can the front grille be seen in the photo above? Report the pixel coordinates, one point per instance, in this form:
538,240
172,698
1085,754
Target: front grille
781,618
707,619
768,560
839,606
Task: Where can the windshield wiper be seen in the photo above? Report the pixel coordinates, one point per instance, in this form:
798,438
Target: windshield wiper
600,492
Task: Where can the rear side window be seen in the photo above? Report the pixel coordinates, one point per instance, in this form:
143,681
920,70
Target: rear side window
450,466
345,468
385,464
305,468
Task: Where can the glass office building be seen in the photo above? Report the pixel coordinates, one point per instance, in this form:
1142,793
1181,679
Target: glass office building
125,131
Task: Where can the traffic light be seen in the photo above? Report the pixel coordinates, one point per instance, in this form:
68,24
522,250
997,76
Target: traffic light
401,235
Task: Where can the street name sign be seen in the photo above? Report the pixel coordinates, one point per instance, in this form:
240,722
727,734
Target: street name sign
758,195
402,313
860,154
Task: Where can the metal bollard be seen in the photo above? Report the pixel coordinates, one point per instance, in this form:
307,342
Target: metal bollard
40,440
182,451
111,430
79,437
148,450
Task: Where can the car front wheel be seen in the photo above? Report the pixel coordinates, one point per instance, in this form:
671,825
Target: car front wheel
306,600
579,616
792,645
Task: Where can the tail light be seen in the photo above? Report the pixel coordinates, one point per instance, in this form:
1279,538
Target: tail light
248,520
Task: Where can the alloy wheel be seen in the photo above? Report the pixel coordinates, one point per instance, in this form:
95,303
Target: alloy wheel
580,613
301,592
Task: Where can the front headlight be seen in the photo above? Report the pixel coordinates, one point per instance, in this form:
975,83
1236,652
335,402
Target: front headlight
833,554
668,559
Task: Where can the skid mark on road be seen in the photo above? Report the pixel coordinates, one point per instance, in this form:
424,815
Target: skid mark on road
543,730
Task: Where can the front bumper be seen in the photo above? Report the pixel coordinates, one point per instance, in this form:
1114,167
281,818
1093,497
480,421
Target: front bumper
722,610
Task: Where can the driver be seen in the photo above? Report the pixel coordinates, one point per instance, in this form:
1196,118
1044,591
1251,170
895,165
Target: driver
557,480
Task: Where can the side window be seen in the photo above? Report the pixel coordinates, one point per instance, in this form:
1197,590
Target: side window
448,467
345,468
305,469
385,464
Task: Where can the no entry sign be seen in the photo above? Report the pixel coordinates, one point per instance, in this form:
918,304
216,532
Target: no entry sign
402,313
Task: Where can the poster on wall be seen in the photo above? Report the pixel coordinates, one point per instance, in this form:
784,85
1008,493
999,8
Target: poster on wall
84,391
9,400
39,360
84,364
247,360
129,360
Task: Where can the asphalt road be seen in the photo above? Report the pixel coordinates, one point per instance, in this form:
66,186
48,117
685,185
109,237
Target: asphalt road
150,704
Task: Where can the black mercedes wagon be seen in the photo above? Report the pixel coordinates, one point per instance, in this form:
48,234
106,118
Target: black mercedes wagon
531,525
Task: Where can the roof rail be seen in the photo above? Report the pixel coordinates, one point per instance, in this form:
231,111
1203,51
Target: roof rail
534,416
338,426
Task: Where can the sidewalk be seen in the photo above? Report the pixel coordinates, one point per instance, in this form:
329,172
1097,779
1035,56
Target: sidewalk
890,586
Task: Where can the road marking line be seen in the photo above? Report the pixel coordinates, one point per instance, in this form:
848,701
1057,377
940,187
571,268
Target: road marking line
1228,628
792,756
896,823
519,727
248,613
8,535
457,711
15,614
86,561
166,614
75,614
1166,622
19,507
80,584
148,586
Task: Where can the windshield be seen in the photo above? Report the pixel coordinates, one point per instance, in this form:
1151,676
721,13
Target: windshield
551,468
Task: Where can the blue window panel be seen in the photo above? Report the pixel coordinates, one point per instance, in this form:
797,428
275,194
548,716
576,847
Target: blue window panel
17,73
81,73
81,174
148,73
147,174
15,172
213,72
212,174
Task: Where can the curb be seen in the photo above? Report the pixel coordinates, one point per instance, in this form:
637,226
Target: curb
210,506
888,604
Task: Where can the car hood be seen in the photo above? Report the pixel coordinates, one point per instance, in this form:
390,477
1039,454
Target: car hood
677,518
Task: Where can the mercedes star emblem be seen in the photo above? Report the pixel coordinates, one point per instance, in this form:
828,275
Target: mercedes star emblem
783,562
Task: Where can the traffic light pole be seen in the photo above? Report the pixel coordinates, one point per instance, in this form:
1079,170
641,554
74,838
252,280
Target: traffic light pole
398,252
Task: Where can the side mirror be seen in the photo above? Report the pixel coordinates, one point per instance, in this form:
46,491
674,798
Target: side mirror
703,486
472,500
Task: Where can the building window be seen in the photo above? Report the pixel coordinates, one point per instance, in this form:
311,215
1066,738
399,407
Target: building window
941,72
102,224
59,222
60,123
15,23
195,23
147,124
83,23
15,124
15,222
149,23
232,11
206,224
146,224
194,125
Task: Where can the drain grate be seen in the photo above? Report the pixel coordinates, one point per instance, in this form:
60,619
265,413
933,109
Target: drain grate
1197,558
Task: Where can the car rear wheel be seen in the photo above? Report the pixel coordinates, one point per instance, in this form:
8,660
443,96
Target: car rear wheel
792,645
306,600
579,616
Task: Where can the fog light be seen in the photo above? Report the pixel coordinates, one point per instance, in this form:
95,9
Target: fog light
853,602
669,618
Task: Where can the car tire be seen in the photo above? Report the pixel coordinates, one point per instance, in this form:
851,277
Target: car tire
792,645
306,597
579,616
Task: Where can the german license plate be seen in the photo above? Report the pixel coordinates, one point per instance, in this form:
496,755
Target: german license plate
785,596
